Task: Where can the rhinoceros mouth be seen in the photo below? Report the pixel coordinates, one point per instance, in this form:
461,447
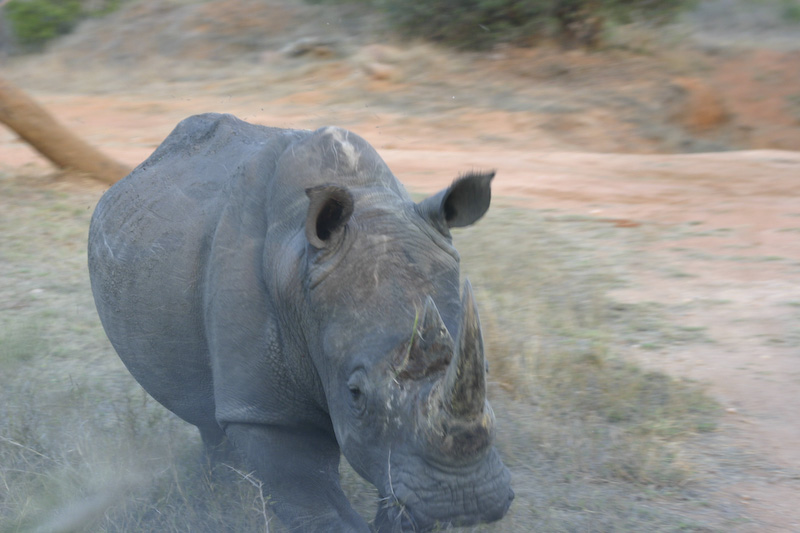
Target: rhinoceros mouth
427,497
396,517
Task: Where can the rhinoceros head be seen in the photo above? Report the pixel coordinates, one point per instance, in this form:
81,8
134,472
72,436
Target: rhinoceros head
400,353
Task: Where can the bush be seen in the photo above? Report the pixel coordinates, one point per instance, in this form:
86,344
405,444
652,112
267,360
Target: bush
480,24
470,23
34,22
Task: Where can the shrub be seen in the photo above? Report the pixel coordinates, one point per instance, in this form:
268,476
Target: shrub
470,23
790,11
34,22
483,23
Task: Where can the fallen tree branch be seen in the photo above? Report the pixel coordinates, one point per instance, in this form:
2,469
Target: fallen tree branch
50,138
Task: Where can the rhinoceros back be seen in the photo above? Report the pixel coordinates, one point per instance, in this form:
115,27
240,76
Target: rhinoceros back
149,247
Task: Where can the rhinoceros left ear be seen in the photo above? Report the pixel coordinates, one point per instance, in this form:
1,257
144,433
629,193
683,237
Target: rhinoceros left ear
329,209
461,204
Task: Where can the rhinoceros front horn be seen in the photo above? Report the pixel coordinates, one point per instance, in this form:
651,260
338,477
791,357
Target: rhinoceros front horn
431,348
464,387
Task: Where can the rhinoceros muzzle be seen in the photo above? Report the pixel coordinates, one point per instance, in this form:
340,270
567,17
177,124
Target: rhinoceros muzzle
423,496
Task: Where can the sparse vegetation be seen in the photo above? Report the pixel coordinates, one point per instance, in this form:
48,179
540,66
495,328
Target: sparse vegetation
790,11
558,342
480,24
594,442
35,22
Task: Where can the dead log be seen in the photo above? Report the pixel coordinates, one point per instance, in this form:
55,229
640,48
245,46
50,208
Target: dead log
50,138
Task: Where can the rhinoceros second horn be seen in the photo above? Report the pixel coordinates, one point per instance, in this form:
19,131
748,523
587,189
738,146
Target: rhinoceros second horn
465,381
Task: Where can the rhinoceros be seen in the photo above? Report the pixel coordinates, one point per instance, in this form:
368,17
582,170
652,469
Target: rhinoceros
280,290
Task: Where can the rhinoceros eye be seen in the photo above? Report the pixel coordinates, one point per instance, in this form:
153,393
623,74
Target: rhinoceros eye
357,396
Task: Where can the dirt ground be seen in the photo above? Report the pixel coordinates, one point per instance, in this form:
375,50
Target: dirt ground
724,249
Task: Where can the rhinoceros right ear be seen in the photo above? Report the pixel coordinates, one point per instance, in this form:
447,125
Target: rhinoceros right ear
461,204
329,209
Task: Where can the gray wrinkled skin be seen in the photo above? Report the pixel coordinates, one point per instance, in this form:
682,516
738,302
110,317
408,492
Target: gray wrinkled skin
280,290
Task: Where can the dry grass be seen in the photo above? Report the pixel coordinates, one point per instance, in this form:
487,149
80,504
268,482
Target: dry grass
594,443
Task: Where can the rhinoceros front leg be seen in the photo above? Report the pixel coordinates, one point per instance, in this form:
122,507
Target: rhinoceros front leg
299,470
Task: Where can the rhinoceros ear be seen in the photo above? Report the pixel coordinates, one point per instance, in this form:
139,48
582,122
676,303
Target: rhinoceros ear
461,204
329,209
